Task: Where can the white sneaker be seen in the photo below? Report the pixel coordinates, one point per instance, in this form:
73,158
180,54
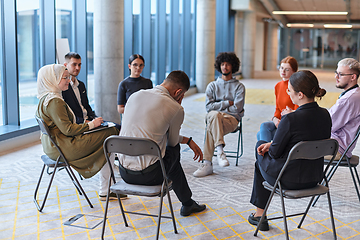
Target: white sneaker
206,168
222,160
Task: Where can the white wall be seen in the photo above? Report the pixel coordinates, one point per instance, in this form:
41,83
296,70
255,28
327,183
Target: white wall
16,143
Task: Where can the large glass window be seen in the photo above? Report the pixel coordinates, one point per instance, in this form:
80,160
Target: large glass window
1,82
28,55
90,51
153,42
136,28
323,48
64,19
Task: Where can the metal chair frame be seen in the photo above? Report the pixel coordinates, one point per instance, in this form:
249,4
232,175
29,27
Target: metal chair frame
310,150
345,161
133,146
61,162
235,154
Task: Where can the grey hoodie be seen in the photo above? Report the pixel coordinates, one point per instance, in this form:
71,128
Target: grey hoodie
220,92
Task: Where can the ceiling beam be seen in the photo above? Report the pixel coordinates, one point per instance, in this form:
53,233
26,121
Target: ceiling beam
271,6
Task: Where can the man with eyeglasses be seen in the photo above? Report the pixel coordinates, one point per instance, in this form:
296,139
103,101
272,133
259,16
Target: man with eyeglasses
345,114
225,99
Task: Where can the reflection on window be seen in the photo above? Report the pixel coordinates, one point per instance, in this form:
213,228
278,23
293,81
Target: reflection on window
90,52
28,55
153,47
64,19
323,48
136,27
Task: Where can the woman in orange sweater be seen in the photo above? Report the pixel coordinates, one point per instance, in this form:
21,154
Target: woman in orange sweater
284,105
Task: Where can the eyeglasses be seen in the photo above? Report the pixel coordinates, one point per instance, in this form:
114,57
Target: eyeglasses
284,69
136,65
66,78
342,74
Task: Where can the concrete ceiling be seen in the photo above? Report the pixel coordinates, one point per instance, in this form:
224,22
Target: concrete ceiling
351,6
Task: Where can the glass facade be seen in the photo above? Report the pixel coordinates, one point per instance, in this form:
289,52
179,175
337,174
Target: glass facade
28,44
1,82
163,31
323,48
170,26
90,51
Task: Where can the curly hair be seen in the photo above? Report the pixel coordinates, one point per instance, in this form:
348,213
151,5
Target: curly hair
228,57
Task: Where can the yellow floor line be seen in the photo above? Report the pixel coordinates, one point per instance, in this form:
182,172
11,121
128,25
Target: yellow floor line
16,209
229,226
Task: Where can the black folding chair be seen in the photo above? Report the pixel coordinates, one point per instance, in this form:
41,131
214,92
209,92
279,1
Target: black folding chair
345,161
310,150
61,162
240,148
133,146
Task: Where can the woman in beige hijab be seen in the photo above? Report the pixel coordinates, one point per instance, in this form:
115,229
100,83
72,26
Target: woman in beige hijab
83,151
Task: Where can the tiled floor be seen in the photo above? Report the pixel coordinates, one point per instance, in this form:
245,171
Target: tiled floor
226,193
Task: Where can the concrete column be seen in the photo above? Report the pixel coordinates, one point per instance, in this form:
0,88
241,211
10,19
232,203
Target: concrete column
248,47
272,44
108,56
205,43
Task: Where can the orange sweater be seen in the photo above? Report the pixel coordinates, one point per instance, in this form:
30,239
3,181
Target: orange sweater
282,98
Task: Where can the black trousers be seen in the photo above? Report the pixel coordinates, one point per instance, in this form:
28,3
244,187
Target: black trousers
260,195
173,170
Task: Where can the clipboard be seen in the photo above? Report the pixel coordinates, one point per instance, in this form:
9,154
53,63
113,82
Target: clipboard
104,125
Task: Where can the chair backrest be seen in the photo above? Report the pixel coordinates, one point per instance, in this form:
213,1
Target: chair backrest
43,127
45,130
311,150
132,146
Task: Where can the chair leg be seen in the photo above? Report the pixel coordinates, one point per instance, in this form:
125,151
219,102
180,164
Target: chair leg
358,180
171,211
105,213
40,208
306,211
160,210
354,180
73,181
265,210
238,146
48,170
329,175
331,215
71,173
284,214
122,211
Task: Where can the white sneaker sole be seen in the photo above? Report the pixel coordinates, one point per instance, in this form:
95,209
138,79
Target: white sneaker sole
202,174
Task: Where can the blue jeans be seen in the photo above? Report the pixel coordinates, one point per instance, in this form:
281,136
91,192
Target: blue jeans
267,131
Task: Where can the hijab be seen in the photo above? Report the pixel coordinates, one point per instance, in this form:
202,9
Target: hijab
49,77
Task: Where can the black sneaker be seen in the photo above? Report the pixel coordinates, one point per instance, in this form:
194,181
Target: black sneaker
195,207
112,196
255,221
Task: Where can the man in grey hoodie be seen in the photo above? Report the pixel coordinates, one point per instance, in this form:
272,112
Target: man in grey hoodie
225,106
